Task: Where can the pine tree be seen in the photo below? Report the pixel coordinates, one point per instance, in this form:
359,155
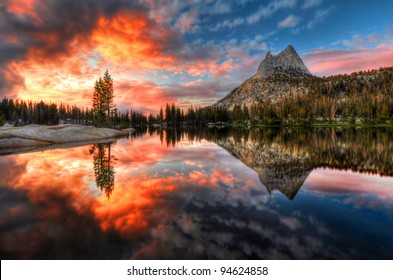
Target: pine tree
108,93
98,104
161,116
168,115
103,100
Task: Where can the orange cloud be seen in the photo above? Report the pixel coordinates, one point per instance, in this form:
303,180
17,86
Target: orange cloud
130,37
146,47
64,79
13,80
223,69
140,95
22,7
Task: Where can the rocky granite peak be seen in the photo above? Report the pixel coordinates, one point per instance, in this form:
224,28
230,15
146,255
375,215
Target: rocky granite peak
286,64
271,81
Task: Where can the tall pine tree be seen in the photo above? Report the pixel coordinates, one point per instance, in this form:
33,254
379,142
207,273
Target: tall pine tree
103,100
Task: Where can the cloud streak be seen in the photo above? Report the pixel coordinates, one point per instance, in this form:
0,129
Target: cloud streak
289,21
311,3
319,16
271,8
330,62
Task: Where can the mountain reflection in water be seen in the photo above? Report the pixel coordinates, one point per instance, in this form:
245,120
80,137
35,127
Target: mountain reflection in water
202,194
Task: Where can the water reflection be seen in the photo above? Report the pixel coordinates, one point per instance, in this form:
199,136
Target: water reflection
284,158
103,163
203,194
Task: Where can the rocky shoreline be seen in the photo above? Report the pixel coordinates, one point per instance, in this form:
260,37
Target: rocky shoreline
30,137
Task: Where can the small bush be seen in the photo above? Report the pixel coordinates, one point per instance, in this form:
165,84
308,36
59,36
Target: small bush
104,124
124,125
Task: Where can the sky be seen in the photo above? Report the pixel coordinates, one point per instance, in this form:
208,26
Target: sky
186,52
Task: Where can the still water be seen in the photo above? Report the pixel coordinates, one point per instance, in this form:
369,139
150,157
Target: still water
209,194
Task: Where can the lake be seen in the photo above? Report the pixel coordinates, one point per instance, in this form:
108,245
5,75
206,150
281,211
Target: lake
213,193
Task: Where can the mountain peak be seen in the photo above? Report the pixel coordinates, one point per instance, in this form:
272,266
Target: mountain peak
290,48
286,64
261,86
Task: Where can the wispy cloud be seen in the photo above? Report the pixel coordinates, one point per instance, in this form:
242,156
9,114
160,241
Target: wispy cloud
329,62
289,21
263,11
271,8
320,15
359,41
311,3
188,21
228,23
220,7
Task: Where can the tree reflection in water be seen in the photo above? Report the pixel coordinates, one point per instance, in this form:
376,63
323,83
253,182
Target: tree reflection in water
104,164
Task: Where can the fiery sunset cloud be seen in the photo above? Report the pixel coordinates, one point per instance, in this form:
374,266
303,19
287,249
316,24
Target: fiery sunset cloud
163,51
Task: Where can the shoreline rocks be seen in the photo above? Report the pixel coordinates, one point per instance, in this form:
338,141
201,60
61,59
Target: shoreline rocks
38,136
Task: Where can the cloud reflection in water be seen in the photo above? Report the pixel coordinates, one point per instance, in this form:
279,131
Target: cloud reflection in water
192,200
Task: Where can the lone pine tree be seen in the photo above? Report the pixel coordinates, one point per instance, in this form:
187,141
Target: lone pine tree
103,100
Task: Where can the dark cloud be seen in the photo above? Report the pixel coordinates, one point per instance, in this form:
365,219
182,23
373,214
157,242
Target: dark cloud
48,30
10,80
10,169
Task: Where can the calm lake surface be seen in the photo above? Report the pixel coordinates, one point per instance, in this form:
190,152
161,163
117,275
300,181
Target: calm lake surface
210,194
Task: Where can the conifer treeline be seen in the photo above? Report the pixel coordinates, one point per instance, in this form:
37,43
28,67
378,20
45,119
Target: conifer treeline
365,95
174,115
19,112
